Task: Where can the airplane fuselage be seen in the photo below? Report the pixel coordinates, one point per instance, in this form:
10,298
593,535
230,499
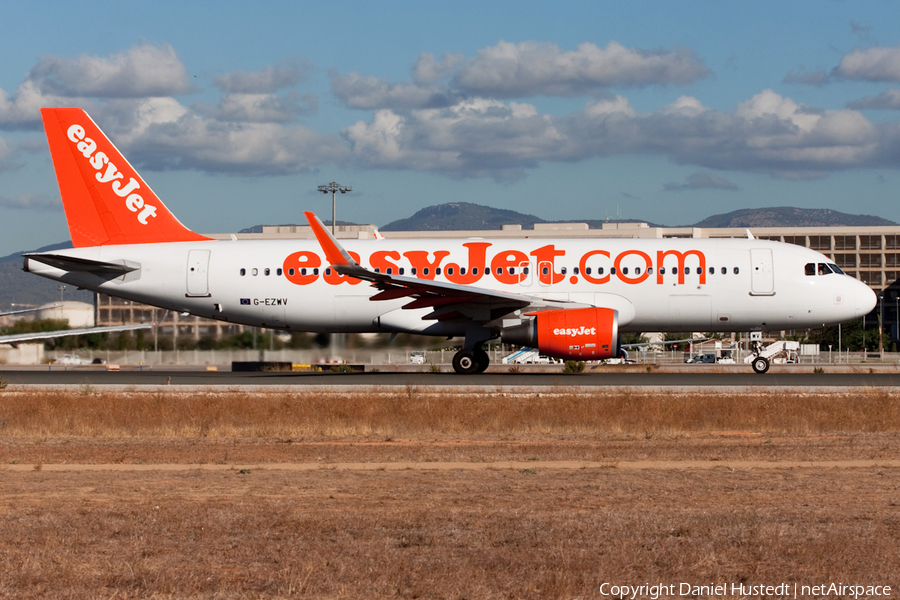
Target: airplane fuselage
655,285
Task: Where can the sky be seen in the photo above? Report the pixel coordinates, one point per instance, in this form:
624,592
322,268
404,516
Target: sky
669,112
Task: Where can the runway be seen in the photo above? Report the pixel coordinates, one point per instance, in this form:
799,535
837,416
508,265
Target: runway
488,380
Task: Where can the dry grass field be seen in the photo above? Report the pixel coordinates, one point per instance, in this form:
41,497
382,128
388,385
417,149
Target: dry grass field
441,495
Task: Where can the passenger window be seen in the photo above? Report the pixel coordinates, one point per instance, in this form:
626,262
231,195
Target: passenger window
662,270
254,272
649,270
474,271
823,269
699,271
303,271
736,270
243,272
266,272
328,271
390,271
587,271
525,270
624,270
637,270
462,271
500,270
712,270
449,271
278,272
512,270
290,271
575,270
687,270
413,271
425,271
563,270
724,271
612,271
315,271
437,271
377,270
401,270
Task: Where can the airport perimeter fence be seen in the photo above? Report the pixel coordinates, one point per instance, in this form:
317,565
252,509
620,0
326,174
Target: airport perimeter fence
378,357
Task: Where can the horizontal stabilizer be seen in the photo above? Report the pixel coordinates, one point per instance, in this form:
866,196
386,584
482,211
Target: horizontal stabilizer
83,265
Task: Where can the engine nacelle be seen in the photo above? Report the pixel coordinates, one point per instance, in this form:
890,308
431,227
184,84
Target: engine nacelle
574,333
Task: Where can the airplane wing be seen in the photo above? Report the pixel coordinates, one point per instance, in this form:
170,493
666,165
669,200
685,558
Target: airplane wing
449,300
18,338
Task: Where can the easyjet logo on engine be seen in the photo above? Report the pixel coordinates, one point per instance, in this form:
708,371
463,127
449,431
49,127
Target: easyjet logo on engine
107,172
576,332
511,267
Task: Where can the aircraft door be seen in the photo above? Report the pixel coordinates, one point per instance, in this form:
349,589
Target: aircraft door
198,274
762,276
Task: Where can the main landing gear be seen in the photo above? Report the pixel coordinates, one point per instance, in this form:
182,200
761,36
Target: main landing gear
471,361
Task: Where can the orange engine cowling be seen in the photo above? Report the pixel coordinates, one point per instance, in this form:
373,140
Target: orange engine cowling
574,333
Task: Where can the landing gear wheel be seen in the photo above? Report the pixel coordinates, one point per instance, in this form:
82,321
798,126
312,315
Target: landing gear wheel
465,362
481,357
760,364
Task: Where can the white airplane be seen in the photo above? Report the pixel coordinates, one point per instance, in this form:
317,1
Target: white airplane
570,298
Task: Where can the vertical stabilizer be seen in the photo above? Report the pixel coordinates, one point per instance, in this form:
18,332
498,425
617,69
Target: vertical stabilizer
105,199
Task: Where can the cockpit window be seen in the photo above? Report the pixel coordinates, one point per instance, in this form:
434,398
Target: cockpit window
835,268
823,269
810,268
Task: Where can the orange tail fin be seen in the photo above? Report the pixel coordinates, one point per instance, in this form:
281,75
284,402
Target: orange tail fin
106,201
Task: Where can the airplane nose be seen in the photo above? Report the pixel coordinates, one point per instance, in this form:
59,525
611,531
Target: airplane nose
864,300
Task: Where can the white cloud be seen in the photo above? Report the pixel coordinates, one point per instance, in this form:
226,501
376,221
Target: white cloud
359,91
140,71
265,81
260,108
872,64
533,68
161,138
427,69
768,133
889,99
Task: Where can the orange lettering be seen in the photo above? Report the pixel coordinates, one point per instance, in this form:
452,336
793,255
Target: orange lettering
661,255
632,280
582,266
475,270
545,256
419,261
301,260
504,261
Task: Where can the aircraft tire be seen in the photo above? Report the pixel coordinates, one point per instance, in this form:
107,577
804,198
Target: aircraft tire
483,360
760,364
465,362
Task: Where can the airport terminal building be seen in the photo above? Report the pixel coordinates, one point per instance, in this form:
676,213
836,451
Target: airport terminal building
871,254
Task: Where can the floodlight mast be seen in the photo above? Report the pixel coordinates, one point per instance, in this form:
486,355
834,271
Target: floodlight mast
334,187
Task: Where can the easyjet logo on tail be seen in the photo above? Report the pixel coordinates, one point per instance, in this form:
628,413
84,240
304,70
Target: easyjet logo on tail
107,172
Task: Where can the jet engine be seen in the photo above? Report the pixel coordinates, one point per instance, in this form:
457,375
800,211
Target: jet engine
574,333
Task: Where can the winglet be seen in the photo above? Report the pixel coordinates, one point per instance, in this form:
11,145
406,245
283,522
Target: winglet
334,252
